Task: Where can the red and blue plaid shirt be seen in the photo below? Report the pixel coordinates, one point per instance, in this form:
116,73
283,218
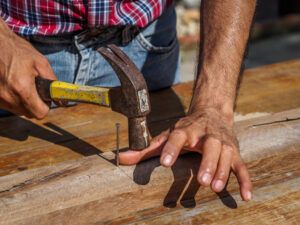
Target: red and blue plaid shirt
48,17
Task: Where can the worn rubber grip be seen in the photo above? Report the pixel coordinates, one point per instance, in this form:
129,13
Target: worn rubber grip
138,133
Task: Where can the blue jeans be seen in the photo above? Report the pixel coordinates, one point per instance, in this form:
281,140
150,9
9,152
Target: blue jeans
154,50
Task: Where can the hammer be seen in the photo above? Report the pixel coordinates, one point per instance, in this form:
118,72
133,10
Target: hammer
130,99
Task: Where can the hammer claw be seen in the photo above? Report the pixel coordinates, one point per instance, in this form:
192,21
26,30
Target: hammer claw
118,52
110,56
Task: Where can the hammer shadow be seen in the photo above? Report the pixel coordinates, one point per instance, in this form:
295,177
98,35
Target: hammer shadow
185,185
20,129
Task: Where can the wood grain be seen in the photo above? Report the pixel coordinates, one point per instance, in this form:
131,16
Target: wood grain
74,192
83,130
272,204
60,170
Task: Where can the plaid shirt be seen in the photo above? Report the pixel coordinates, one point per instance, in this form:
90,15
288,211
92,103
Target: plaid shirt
48,17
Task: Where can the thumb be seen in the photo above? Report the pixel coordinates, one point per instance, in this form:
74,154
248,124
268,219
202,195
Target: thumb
131,157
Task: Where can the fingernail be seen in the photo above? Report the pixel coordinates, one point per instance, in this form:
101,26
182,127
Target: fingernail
167,160
206,178
219,185
248,196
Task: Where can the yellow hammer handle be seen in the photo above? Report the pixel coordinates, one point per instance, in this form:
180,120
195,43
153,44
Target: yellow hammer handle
62,91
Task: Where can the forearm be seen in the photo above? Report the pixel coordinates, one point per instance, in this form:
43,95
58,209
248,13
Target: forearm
224,28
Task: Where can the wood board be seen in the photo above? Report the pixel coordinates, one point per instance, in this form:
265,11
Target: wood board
93,190
84,132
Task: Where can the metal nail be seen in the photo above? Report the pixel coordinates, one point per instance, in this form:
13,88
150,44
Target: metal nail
118,151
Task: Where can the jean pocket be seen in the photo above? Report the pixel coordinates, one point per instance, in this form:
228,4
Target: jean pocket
160,35
149,46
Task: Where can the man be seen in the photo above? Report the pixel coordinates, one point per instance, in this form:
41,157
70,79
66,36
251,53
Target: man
68,34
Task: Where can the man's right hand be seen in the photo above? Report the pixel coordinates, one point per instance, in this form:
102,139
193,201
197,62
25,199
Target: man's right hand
20,63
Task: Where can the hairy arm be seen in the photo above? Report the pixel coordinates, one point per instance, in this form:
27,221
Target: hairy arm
225,26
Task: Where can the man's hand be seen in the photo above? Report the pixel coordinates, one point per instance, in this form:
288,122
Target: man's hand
207,129
20,63
209,133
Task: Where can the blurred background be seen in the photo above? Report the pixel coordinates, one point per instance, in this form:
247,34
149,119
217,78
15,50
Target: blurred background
275,36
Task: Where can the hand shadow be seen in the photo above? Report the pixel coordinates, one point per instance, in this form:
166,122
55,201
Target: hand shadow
185,185
18,128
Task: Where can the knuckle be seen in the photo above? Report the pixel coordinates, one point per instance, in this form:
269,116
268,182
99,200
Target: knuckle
41,114
11,81
17,87
156,140
241,168
222,175
170,152
44,61
179,133
21,91
4,96
210,167
227,148
214,140
42,64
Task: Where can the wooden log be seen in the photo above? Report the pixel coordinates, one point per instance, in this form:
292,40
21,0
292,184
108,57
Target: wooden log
93,190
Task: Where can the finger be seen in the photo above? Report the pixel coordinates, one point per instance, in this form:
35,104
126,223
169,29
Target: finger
12,104
223,169
210,158
44,69
243,177
33,103
131,157
172,148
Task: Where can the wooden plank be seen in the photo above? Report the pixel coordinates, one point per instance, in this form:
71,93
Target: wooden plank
74,192
84,120
277,203
77,148
76,132
272,88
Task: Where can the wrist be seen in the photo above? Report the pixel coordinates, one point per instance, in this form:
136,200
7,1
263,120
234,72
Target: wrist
209,98
225,109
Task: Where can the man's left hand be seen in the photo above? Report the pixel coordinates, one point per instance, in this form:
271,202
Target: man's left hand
208,132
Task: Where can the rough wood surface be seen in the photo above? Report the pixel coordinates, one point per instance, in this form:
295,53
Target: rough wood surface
57,171
83,130
92,190
272,204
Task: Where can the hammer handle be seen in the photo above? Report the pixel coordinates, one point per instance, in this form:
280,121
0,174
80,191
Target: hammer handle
62,91
138,133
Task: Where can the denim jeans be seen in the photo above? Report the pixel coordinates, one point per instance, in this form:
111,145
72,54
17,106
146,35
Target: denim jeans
154,50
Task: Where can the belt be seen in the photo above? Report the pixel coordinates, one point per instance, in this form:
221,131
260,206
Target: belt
119,35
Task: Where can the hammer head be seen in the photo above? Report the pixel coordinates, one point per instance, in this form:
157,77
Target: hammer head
131,98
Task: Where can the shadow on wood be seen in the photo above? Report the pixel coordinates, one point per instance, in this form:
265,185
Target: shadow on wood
55,135
168,101
227,199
